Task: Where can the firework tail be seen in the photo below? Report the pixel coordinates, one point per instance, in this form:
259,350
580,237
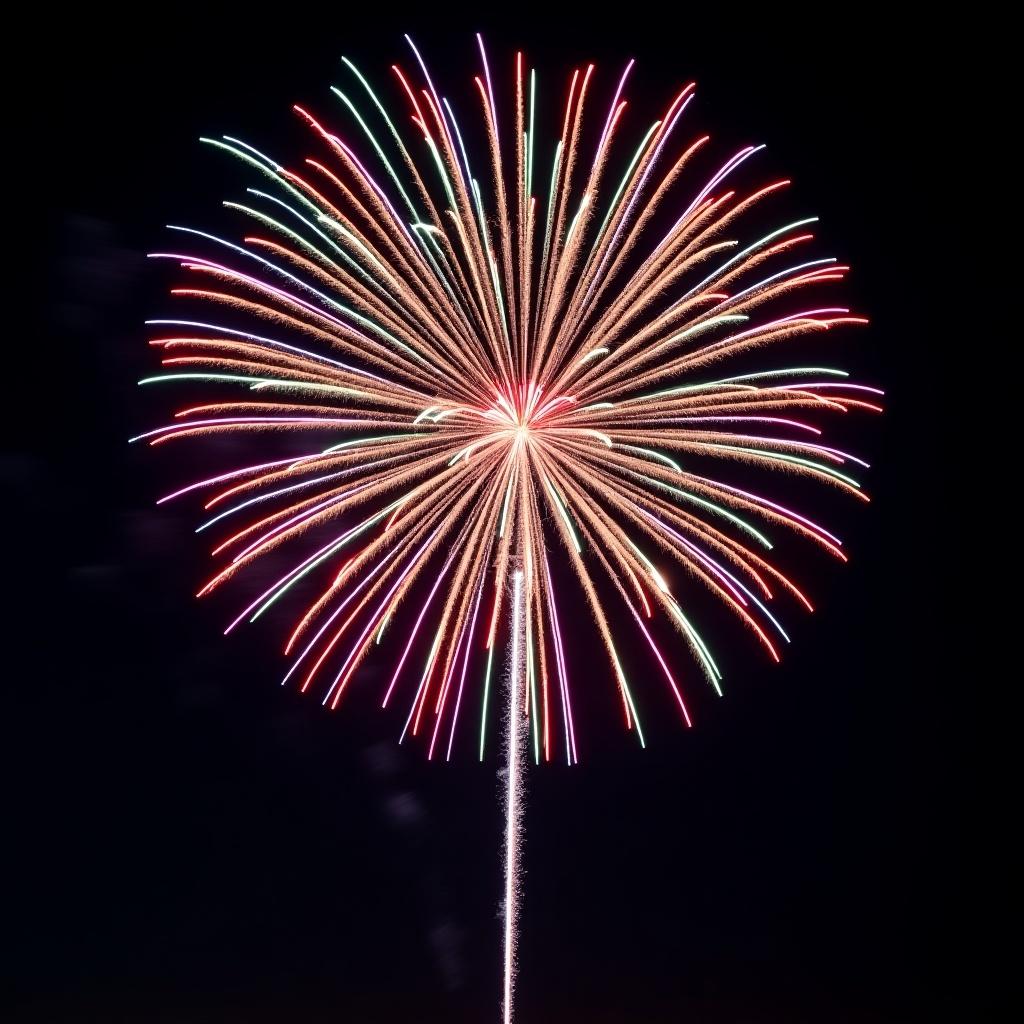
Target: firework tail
515,737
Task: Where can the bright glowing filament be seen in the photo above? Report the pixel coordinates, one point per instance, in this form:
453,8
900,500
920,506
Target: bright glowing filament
516,724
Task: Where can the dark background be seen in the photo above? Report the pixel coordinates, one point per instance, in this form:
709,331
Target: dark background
192,843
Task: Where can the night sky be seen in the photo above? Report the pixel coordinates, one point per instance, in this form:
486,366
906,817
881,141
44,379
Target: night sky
193,843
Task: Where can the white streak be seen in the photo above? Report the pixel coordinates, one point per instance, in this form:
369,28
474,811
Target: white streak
515,725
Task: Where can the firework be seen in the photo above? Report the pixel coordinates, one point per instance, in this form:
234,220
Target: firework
499,350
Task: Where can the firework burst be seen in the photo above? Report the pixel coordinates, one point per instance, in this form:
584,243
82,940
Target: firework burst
496,367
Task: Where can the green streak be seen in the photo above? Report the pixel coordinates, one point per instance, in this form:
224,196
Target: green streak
504,510
575,220
487,693
551,202
764,374
653,454
746,252
702,650
441,170
497,291
354,241
430,661
565,515
622,186
369,440
376,145
465,451
458,136
405,154
253,382
796,460
690,331
629,697
348,311
284,230
704,503
270,172
327,554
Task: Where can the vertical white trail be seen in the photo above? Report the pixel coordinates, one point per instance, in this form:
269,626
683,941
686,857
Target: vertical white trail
515,726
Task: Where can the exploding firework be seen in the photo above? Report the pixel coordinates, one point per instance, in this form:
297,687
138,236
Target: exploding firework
544,358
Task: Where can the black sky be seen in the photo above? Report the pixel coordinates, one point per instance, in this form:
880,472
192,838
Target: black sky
193,843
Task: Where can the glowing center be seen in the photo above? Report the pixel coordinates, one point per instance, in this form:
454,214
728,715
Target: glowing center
527,409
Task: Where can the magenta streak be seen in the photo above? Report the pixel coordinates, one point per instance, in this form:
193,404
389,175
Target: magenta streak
372,625
740,419
465,664
298,518
197,263
228,476
706,560
288,575
344,604
443,693
664,667
787,512
487,75
560,659
727,168
612,109
831,384
412,637
639,188
835,453
186,425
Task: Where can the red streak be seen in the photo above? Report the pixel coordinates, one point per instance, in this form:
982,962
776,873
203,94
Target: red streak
412,96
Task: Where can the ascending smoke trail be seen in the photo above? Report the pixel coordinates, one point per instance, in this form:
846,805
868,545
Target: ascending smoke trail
486,377
515,725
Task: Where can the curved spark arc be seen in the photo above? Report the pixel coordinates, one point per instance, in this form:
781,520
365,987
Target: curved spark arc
499,362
